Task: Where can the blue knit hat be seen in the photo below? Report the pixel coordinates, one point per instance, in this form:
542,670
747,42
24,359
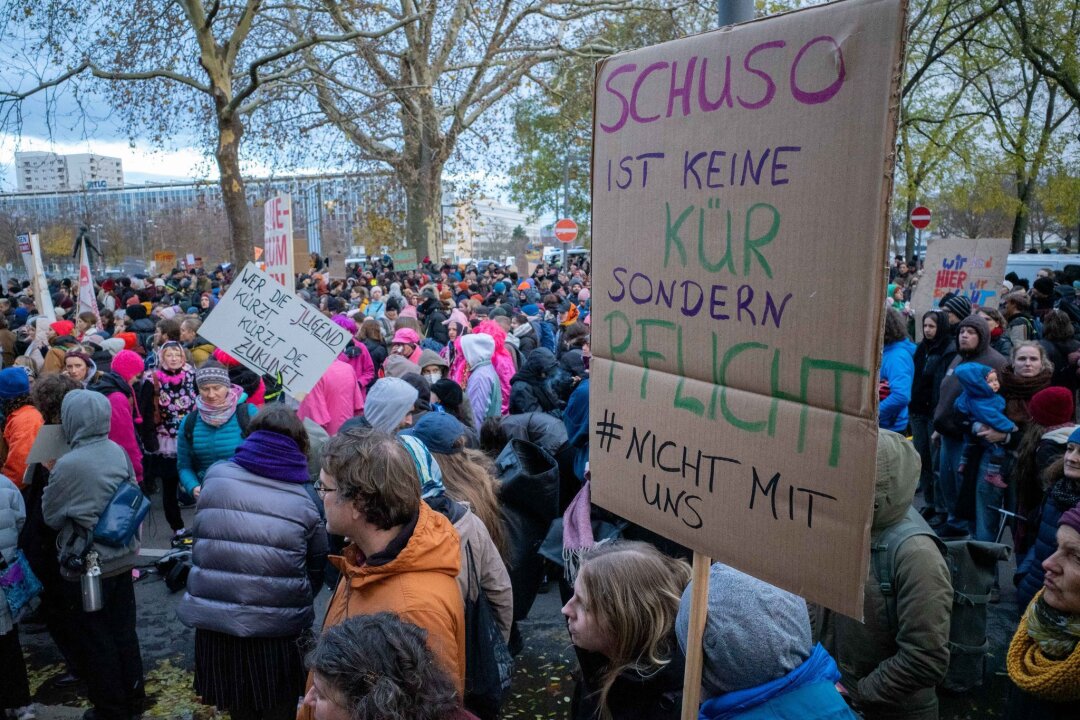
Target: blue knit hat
530,310
438,432
1074,438
500,288
14,382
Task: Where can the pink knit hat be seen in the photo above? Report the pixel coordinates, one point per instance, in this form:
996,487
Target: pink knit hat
127,364
406,336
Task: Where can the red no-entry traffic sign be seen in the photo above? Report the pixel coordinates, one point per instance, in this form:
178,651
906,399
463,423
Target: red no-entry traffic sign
566,230
920,217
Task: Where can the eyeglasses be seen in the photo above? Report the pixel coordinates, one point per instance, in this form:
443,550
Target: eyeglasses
323,490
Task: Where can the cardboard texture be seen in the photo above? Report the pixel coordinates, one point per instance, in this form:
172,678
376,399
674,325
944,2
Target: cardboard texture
49,444
741,181
974,268
278,240
273,331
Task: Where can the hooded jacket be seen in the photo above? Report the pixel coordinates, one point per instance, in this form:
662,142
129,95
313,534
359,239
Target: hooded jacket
482,387
419,585
932,358
898,368
257,540
950,386
893,674
335,398
357,357
83,481
530,390
978,401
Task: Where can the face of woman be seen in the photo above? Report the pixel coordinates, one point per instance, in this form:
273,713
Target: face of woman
929,328
326,702
204,302
452,331
1061,584
989,320
1028,362
403,349
586,631
75,369
172,358
213,394
1072,461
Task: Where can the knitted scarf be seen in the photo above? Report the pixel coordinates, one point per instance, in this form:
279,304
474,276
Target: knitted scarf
1033,669
273,455
218,415
1019,390
1057,633
577,531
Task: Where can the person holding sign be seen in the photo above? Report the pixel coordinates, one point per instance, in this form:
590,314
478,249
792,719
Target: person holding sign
621,619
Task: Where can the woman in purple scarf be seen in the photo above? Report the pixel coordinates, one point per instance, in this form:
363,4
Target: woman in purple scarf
258,559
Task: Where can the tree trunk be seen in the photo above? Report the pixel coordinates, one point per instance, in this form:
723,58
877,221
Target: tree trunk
909,234
424,204
232,190
1020,221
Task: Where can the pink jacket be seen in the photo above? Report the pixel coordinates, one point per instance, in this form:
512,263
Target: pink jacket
362,365
122,431
334,399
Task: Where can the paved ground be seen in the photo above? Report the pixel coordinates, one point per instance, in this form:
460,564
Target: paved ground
542,684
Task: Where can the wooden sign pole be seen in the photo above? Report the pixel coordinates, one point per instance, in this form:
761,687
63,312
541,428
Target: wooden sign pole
699,606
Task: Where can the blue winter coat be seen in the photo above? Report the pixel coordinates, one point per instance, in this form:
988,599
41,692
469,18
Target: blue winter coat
806,693
978,401
1030,570
898,367
257,540
207,446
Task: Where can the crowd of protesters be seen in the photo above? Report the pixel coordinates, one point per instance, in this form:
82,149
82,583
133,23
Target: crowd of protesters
438,473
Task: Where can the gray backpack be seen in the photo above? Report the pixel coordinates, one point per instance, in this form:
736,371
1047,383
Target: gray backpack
971,567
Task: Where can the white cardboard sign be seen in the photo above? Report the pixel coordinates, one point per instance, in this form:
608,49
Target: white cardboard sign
278,240
272,331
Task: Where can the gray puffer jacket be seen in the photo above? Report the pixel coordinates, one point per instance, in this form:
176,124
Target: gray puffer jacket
258,544
83,481
12,517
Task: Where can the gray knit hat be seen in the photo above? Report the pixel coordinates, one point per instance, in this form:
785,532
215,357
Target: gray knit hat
212,373
754,632
388,402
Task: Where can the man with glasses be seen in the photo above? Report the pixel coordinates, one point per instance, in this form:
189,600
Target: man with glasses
402,556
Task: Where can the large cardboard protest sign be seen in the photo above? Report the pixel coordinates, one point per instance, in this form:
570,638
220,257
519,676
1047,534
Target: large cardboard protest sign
741,181
972,267
274,332
278,240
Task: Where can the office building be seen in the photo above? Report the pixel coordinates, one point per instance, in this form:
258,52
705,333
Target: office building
51,172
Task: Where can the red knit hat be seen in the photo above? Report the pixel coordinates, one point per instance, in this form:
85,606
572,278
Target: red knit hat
1052,407
63,327
130,341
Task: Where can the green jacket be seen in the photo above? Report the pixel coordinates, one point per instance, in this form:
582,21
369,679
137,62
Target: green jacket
892,673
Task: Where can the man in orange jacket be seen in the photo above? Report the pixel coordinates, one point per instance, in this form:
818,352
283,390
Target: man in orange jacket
403,557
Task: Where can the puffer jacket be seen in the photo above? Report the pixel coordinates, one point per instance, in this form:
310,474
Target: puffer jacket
12,517
1030,570
208,444
257,541
893,673
83,481
20,431
898,368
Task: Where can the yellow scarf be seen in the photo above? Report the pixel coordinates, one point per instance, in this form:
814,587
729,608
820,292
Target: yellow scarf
1033,672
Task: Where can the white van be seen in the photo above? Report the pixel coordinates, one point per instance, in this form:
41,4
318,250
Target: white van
1027,265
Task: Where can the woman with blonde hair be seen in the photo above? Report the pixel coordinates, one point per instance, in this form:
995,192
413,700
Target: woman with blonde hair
621,619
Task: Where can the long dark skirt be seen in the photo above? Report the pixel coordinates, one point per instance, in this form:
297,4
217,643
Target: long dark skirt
248,674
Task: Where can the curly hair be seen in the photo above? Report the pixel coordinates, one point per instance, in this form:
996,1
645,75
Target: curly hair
48,395
382,669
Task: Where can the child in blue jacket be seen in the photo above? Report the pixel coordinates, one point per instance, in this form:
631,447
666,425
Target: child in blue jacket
980,402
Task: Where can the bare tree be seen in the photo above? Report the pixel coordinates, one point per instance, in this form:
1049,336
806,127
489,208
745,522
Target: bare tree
406,99
171,67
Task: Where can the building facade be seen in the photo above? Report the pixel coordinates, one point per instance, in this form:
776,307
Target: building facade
51,172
